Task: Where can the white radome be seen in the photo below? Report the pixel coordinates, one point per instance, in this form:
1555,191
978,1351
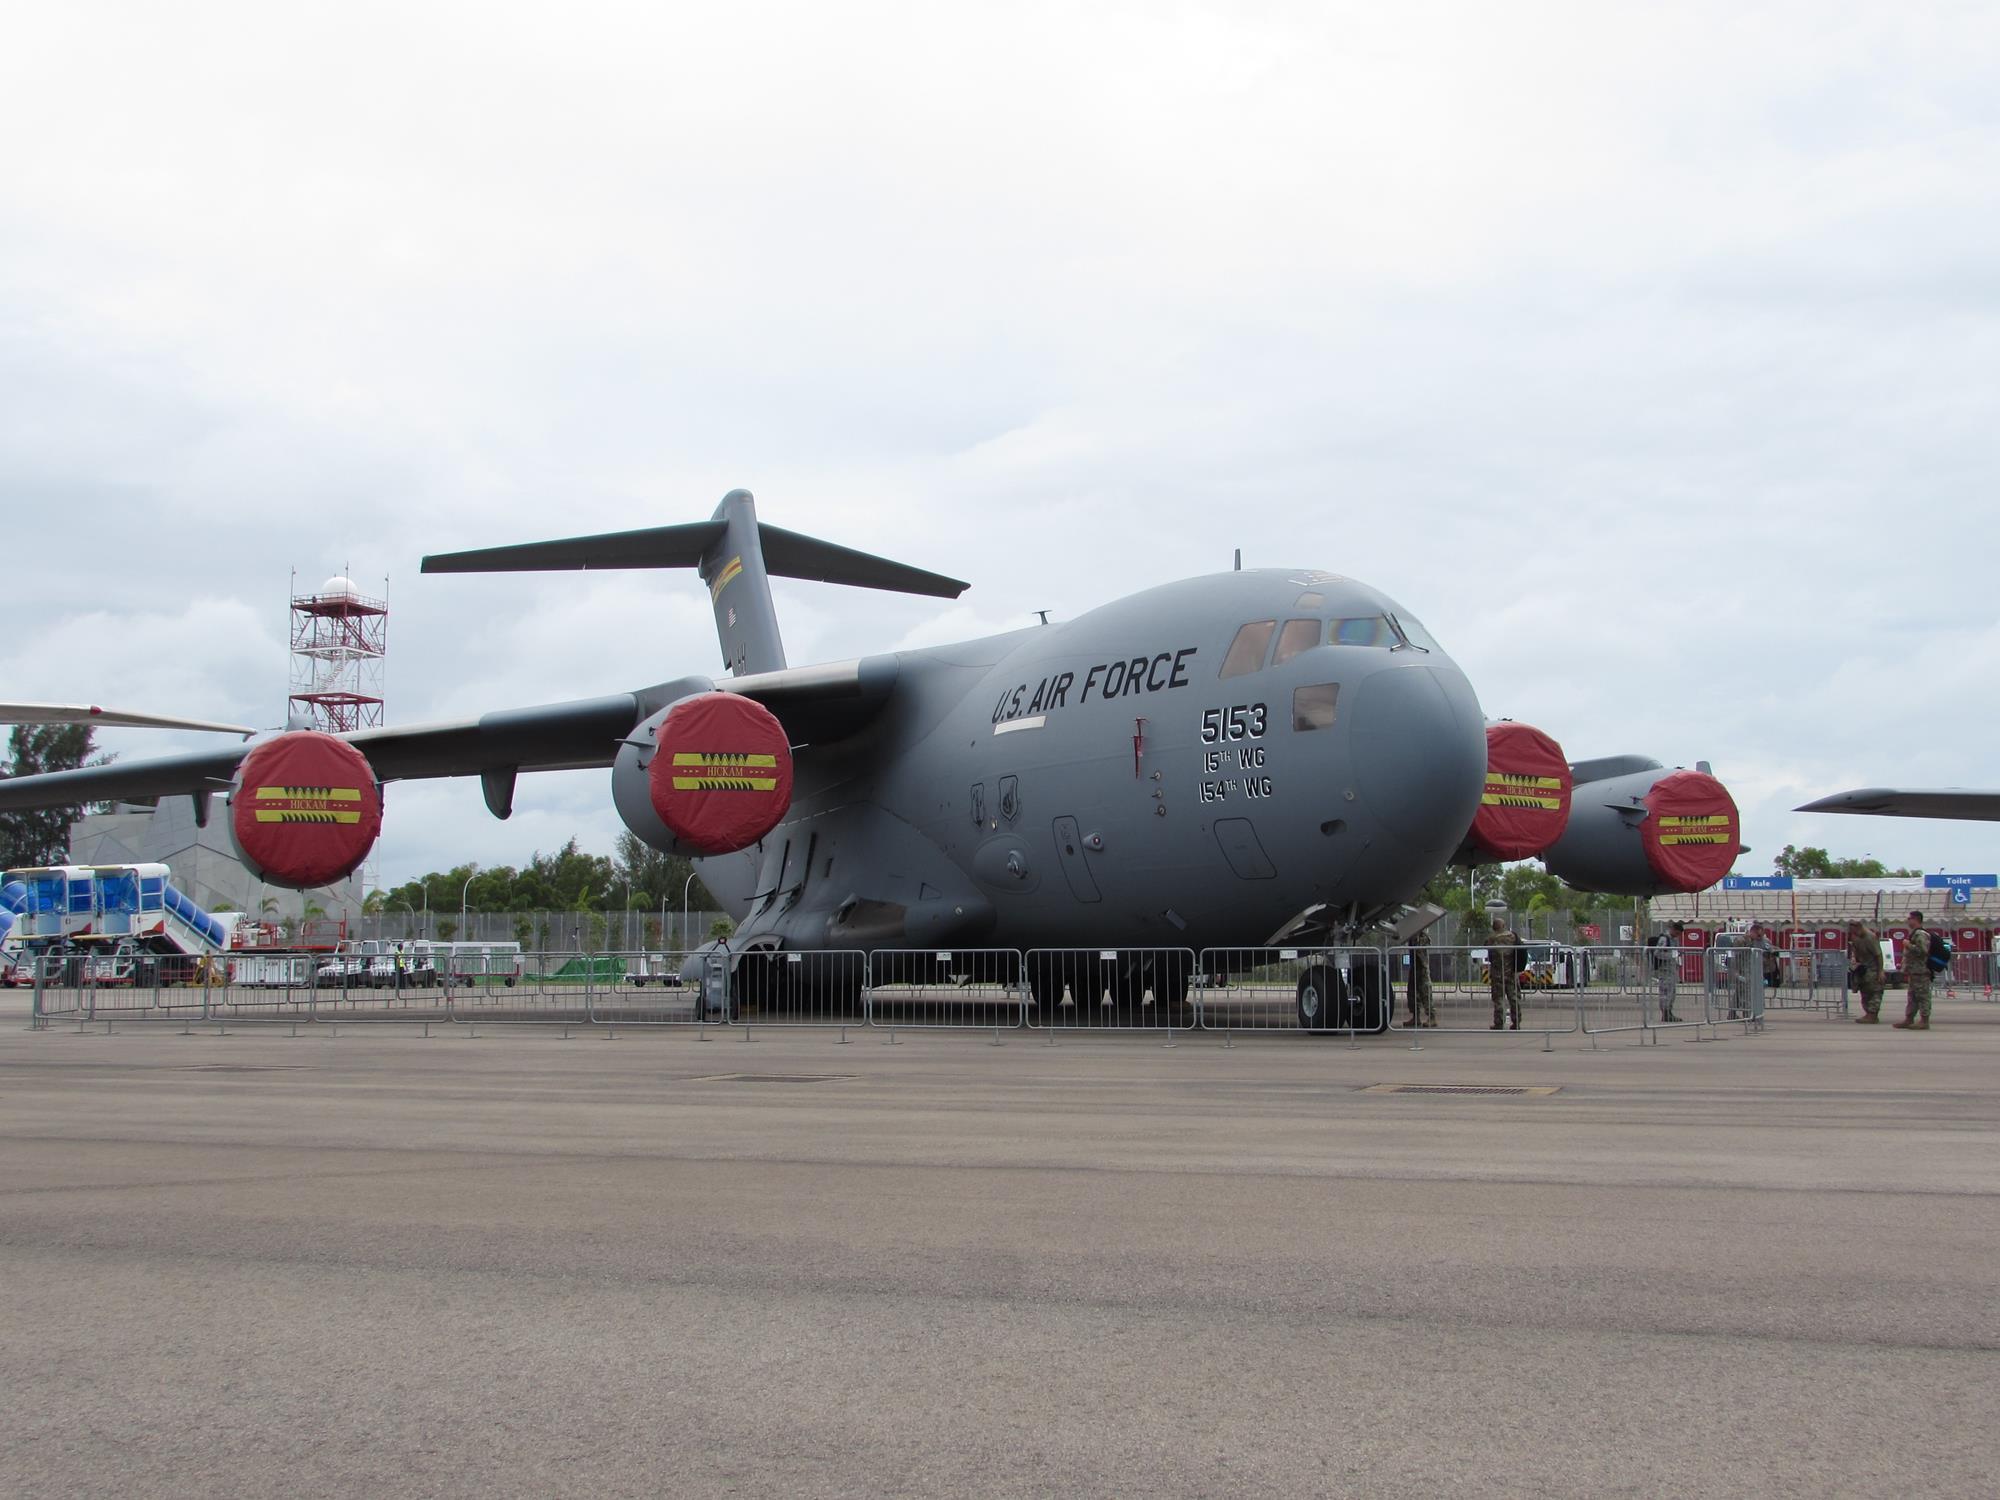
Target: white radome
337,587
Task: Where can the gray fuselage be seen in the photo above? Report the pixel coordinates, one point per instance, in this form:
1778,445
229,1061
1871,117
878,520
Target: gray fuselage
1125,779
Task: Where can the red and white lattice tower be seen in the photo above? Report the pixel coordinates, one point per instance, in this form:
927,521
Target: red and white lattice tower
340,638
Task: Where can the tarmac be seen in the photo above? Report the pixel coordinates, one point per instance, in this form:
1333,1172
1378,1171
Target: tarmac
363,1261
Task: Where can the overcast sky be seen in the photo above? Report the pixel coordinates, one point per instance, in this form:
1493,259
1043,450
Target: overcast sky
1649,354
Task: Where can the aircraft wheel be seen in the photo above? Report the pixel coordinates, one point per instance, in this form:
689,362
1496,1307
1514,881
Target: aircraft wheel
1322,999
1373,1004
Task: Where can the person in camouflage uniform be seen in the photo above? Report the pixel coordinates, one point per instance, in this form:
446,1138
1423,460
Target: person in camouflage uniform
1423,1010
1917,976
1666,949
1503,971
1864,957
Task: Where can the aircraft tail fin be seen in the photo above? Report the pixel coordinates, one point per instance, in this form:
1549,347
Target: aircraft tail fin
736,556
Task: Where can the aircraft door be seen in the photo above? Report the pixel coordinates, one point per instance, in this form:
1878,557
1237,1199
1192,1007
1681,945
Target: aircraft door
1069,849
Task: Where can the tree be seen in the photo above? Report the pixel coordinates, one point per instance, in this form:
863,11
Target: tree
41,837
657,879
1522,886
1813,863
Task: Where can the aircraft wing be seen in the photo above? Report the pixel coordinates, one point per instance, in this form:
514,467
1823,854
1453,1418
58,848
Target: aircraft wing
1890,802
813,703
90,713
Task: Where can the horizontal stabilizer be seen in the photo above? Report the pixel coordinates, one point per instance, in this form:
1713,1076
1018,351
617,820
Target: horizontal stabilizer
649,547
787,554
790,555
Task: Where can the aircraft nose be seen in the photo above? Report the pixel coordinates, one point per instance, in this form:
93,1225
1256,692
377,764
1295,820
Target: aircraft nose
1419,744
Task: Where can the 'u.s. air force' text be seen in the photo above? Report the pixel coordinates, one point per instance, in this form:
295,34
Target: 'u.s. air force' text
1108,679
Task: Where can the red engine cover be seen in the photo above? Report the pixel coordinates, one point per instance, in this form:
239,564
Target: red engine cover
305,810
721,777
1525,806
1691,832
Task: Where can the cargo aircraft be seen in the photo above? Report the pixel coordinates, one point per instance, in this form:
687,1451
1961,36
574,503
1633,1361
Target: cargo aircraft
1256,756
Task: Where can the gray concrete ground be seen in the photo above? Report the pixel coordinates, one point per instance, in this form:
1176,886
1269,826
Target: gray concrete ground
373,1263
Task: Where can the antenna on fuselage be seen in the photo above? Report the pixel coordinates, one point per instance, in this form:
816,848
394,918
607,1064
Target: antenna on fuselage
1239,559
1043,615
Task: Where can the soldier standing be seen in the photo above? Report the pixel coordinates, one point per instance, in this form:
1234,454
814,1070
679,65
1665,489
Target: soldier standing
1423,1010
1917,976
1864,956
1503,972
1667,967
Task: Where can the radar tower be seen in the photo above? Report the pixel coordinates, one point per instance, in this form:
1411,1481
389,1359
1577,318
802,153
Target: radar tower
340,638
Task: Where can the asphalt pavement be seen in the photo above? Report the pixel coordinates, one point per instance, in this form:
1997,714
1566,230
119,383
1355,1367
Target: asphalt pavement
363,1261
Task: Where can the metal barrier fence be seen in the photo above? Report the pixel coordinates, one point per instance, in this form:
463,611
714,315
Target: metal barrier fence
1319,991
1652,990
1971,976
760,988
659,987
1642,989
1348,991
1127,989
1462,997
963,988
547,989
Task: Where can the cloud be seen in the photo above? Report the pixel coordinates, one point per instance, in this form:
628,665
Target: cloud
1648,354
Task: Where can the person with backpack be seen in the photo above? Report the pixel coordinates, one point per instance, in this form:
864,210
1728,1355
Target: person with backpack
1504,954
1917,976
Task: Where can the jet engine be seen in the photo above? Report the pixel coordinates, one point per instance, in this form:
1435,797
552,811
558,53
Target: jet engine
304,809
709,774
1636,829
1526,802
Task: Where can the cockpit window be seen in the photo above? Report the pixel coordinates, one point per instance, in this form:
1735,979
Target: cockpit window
1246,652
1310,601
1415,634
1297,636
1366,630
1312,707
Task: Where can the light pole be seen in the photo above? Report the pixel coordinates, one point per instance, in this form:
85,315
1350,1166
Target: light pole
462,893
686,946
625,919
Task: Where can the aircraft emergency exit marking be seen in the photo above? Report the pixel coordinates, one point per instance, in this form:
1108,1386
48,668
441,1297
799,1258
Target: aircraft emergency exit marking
1110,679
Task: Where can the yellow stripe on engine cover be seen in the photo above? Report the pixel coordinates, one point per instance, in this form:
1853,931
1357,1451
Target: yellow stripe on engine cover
724,758
311,793
289,815
725,783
